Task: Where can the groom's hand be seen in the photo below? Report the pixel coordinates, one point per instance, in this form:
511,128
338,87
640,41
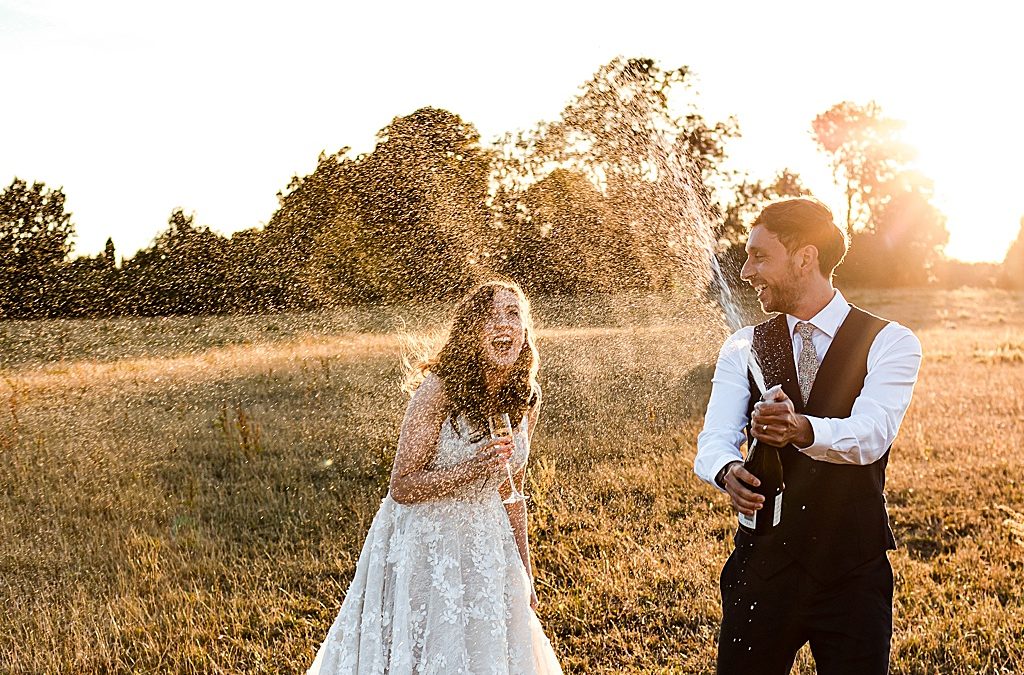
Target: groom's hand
743,500
776,422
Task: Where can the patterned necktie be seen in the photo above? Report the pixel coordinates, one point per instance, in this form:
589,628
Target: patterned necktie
807,367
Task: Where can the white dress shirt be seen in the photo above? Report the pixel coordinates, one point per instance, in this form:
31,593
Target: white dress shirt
862,438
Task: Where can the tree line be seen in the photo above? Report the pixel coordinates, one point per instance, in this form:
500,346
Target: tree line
623,191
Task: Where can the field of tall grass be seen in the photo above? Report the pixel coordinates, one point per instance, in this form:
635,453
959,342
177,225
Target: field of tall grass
189,495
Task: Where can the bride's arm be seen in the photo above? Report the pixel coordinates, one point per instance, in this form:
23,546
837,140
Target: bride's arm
517,518
411,481
517,510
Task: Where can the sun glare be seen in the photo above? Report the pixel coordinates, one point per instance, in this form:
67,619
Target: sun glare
970,189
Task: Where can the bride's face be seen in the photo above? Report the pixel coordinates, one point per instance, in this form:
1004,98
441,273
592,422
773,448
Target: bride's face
503,333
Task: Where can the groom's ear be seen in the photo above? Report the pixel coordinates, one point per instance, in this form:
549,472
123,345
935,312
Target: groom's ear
807,258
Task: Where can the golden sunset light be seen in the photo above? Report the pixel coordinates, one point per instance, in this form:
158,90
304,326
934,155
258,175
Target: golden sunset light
516,338
978,198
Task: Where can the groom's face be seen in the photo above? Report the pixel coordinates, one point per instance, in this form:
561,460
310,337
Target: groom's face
771,271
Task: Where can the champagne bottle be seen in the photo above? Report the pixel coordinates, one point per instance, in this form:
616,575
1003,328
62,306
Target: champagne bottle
763,461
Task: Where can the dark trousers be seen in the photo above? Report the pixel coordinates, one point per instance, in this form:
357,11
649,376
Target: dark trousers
765,622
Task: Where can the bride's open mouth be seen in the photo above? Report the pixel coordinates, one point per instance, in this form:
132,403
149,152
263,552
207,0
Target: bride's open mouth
502,345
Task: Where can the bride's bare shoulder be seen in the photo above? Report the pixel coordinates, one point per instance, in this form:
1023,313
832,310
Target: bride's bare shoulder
429,396
430,388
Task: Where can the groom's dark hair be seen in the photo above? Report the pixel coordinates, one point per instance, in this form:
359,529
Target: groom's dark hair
802,221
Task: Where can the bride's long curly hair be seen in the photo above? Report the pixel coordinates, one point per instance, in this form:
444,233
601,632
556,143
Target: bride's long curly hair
460,365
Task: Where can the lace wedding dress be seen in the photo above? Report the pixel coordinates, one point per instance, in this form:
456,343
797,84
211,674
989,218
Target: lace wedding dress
440,588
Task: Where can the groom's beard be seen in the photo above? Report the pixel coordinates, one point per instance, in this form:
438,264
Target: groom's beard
783,295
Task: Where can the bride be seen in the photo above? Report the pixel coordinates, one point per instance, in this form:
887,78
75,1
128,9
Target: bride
444,582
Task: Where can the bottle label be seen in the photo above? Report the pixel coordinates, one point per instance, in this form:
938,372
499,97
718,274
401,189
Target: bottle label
751,521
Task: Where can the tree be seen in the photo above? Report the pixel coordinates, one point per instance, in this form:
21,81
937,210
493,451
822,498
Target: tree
573,244
421,200
896,234
866,154
181,273
109,257
635,132
35,239
406,220
311,240
1012,273
748,197
88,286
902,248
953,273
623,126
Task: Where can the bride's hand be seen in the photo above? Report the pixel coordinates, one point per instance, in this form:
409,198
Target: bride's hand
490,459
534,602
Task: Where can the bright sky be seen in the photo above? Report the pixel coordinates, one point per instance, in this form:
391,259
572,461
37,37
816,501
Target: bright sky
138,107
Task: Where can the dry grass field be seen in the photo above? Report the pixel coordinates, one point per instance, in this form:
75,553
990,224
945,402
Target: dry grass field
189,495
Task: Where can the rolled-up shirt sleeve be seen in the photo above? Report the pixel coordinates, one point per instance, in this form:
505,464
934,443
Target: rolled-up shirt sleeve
862,438
720,440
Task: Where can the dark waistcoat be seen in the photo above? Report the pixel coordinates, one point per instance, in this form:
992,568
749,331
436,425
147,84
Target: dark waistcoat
833,515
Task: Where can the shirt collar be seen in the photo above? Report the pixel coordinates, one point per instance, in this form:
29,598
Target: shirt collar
829,319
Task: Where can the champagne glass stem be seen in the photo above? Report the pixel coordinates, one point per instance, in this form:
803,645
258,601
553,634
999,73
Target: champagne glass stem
505,426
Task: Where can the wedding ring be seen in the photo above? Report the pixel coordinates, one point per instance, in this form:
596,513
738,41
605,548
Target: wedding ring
764,427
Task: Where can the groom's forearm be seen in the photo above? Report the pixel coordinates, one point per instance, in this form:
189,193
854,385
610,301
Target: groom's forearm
719,442
709,462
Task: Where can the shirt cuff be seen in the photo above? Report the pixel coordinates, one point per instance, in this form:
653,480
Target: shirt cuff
821,432
718,467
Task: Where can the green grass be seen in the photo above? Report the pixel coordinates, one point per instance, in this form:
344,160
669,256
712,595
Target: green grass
189,495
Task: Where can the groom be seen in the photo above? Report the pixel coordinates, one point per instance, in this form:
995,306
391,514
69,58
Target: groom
823,576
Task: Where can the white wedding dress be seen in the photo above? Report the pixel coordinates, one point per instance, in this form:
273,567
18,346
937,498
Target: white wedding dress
440,588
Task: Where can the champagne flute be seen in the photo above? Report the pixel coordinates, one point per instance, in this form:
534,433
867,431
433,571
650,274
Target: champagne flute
500,426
